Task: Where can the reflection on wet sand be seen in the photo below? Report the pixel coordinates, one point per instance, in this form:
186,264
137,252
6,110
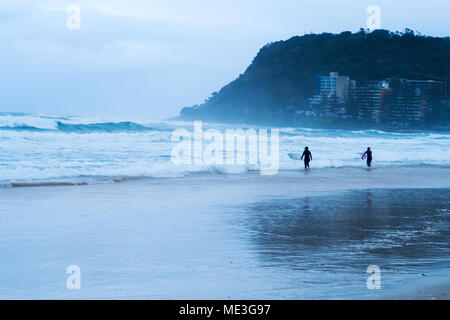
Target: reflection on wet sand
403,231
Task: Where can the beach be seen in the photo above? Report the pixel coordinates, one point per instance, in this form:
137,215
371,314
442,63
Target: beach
294,235
440,290
216,158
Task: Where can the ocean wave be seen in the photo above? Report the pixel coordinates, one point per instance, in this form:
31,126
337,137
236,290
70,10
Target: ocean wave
38,149
47,123
22,128
102,127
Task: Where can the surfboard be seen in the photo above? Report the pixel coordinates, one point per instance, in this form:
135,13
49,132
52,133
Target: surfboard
295,156
364,156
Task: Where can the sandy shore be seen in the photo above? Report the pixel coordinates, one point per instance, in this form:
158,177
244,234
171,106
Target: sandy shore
433,289
295,235
436,292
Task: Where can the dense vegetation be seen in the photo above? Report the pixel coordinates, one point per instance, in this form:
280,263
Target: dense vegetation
283,74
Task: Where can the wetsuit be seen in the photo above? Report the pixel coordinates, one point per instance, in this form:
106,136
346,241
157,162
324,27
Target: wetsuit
308,157
369,157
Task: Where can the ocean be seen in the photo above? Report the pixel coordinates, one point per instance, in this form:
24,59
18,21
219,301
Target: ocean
40,149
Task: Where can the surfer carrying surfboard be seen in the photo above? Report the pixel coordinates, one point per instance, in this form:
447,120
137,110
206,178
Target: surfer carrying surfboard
308,157
368,155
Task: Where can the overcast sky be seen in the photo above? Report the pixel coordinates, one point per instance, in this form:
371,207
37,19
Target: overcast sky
148,59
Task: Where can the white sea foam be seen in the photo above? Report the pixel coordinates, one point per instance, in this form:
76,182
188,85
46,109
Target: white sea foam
36,148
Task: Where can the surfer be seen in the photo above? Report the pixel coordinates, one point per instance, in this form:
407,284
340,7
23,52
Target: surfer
368,155
308,157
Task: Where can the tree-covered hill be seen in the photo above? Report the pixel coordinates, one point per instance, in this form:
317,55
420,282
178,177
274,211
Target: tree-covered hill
283,74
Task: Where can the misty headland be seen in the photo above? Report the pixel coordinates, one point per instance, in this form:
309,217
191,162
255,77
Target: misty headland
364,80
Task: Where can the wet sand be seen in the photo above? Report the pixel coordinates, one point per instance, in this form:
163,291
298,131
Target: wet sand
295,235
439,291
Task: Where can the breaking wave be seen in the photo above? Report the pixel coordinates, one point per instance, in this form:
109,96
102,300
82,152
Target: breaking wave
62,150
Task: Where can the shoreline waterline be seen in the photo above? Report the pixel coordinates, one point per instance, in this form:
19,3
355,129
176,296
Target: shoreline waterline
425,176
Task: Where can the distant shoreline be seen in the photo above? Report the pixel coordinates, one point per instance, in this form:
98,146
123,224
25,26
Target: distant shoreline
322,124
381,80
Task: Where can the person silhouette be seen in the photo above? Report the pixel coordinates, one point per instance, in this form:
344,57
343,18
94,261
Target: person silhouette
308,157
368,155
